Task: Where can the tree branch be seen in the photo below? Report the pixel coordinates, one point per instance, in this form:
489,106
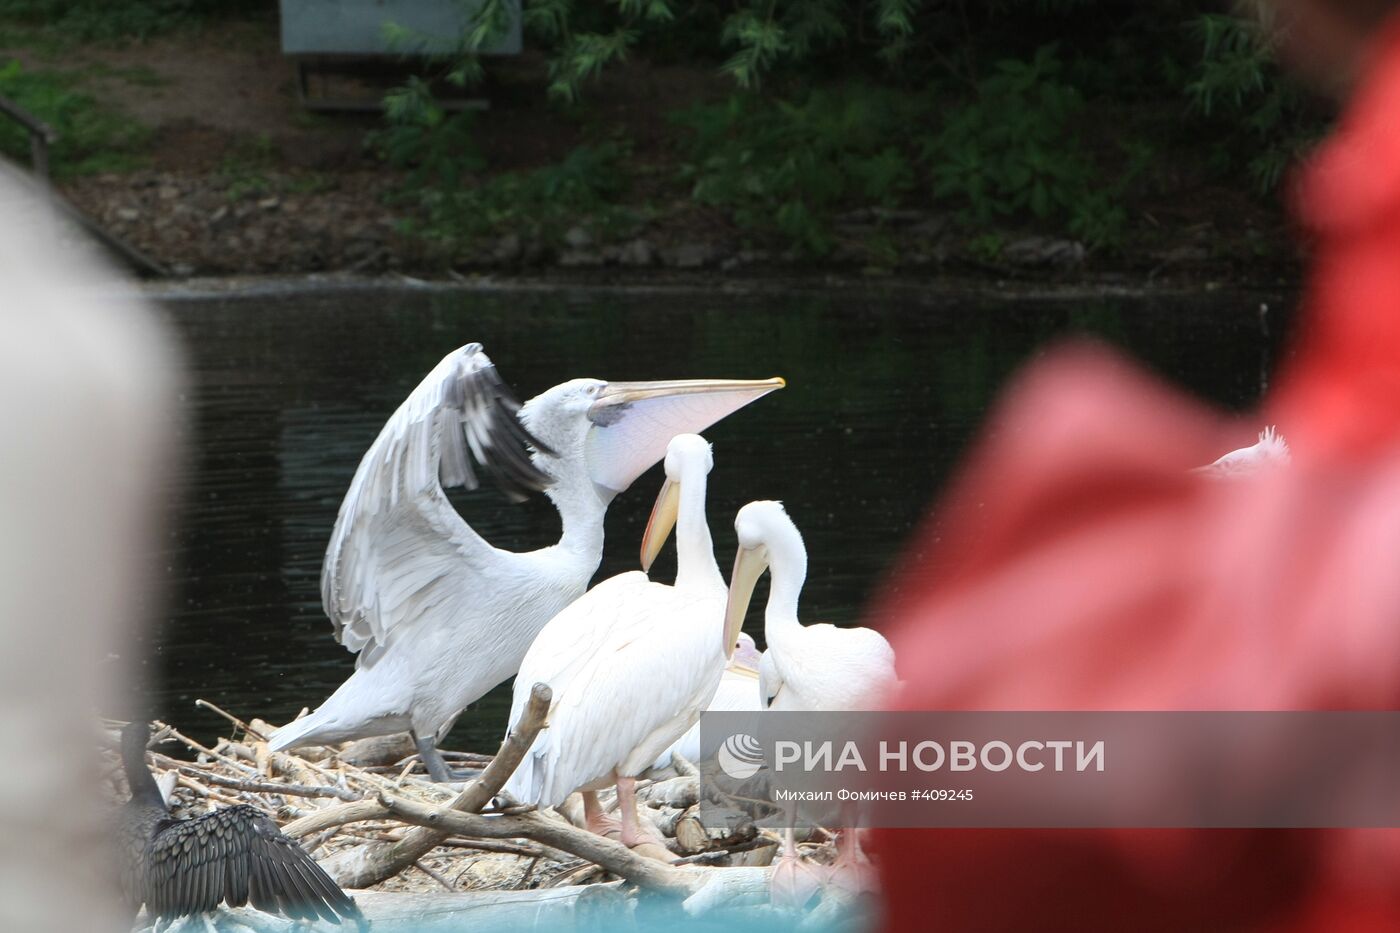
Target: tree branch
557,834
368,865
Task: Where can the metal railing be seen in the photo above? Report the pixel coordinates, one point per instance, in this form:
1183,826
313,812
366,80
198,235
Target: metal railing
41,136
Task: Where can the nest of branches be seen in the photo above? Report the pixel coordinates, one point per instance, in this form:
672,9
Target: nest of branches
368,813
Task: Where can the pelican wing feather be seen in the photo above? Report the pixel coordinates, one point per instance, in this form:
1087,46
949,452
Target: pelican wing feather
399,548
837,668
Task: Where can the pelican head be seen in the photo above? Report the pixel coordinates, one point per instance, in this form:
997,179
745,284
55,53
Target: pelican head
746,653
617,430
764,529
687,456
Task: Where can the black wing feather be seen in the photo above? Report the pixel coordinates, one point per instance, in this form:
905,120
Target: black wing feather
237,855
490,428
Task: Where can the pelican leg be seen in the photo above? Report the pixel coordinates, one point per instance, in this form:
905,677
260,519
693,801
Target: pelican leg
851,872
795,879
432,759
636,834
598,822
437,765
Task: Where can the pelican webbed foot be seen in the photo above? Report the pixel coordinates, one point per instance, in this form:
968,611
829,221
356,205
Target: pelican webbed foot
852,871
796,881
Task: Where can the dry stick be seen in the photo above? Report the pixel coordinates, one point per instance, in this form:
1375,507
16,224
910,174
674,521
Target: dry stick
494,845
320,840
231,718
606,853
434,875
191,743
266,787
529,870
208,793
367,867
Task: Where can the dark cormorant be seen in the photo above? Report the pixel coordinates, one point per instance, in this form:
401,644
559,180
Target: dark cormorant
235,855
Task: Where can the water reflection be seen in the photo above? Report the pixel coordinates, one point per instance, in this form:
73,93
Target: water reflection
883,395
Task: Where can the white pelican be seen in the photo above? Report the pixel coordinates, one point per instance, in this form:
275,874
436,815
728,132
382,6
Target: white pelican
806,667
632,663
437,614
738,691
1270,451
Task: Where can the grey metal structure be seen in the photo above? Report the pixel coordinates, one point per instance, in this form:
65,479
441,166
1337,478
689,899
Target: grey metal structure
342,35
362,27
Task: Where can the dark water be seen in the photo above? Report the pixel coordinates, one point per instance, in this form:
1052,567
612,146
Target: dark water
883,395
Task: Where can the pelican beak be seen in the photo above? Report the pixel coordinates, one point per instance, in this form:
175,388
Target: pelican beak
634,421
749,565
663,519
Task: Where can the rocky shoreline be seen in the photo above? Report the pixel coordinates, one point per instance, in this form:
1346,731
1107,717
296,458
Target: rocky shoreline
207,224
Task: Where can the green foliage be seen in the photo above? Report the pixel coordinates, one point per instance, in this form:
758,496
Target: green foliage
785,167
969,107
1015,148
583,39
1237,84
88,20
246,169
91,138
436,147
766,33
1011,150
539,204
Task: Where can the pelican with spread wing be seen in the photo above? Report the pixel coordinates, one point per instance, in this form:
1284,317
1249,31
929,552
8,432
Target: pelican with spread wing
437,614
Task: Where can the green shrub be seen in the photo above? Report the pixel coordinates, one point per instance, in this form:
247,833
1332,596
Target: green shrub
117,19
1015,148
1264,120
784,167
90,138
437,148
540,203
966,106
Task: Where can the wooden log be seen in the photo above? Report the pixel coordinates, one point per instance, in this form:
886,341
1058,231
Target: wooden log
680,792
691,834
335,816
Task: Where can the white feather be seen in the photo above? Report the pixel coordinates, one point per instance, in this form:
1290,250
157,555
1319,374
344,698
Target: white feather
738,692
1270,451
809,667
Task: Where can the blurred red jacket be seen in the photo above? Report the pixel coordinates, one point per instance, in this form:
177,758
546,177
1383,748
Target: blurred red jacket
1077,563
